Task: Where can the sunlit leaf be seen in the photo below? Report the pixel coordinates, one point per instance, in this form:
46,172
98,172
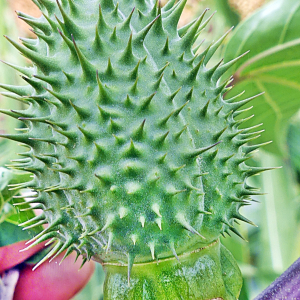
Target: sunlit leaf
272,35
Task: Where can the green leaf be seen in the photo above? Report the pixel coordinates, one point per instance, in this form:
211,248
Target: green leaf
273,38
5,177
21,216
10,234
293,139
37,257
8,149
94,289
11,216
278,245
232,18
8,212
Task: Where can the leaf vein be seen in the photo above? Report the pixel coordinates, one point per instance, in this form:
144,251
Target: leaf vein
266,53
272,67
285,28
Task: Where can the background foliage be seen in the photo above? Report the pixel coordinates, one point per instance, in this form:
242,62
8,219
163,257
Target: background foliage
271,33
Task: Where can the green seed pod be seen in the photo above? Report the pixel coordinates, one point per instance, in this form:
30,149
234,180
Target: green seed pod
136,157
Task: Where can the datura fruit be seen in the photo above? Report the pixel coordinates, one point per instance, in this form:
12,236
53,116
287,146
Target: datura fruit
137,160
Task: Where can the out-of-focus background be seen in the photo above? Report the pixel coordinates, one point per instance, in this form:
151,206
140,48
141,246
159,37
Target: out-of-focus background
272,66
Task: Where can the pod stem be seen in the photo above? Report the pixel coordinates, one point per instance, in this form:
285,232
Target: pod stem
209,273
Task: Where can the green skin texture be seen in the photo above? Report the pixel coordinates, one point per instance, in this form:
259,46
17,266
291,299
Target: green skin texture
135,155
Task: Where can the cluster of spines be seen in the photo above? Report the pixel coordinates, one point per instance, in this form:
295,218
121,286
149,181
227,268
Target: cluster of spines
38,97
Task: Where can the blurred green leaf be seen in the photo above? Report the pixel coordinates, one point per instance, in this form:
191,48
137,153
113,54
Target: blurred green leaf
7,178
21,216
272,35
231,17
8,210
94,289
275,243
8,149
37,257
277,246
10,234
293,142
11,216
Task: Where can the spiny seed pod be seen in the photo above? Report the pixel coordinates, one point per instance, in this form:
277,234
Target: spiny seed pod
137,159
